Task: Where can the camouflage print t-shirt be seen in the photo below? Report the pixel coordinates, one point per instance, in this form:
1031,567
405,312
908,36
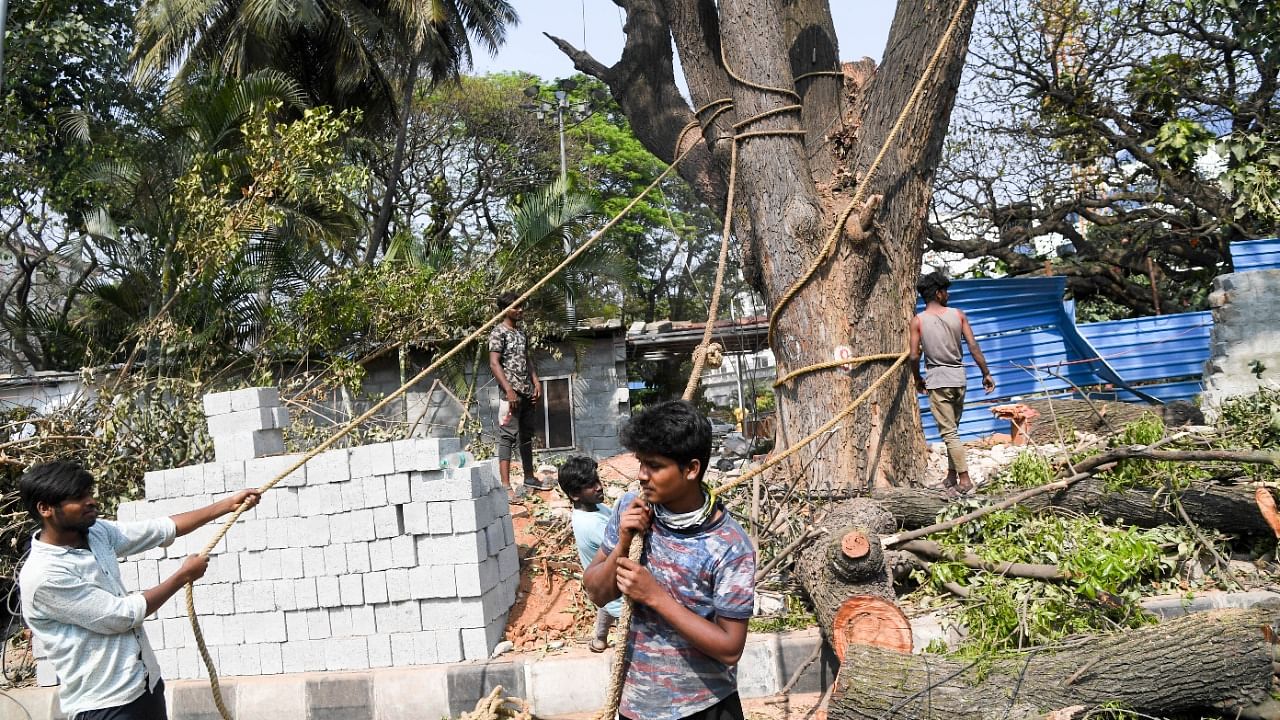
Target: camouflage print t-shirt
514,348
710,571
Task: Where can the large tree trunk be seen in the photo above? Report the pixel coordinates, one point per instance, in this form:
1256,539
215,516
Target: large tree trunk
848,582
791,189
1206,663
1227,508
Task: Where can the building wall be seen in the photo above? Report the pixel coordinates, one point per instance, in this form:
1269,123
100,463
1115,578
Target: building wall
720,386
1245,344
600,400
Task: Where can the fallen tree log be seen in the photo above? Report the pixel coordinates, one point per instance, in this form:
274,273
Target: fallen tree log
848,582
1101,417
1227,508
1207,663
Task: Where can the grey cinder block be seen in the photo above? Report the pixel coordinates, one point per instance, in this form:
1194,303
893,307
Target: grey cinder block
331,466
398,489
387,522
375,587
351,589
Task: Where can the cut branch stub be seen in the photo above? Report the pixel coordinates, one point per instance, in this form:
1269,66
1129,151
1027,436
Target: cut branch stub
855,545
870,620
857,555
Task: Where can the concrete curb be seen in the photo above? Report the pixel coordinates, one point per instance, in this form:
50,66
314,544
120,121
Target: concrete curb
565,683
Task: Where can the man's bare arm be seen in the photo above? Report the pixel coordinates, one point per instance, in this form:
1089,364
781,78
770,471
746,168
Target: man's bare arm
913,350
988,382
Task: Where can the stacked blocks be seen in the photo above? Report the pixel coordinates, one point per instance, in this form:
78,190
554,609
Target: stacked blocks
246,424
363,558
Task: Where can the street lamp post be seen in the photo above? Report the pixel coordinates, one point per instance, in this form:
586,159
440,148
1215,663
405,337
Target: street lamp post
558,102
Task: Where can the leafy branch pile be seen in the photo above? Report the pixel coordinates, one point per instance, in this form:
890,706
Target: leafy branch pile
1108,568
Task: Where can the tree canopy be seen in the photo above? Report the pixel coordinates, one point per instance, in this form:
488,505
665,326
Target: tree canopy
1137,136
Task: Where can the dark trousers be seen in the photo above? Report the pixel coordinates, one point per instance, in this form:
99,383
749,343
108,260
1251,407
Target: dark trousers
515,426
148,706
729,708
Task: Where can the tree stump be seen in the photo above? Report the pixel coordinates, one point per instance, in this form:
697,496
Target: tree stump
1213,663
848,582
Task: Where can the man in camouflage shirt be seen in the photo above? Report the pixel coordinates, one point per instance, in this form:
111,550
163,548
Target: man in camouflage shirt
520,392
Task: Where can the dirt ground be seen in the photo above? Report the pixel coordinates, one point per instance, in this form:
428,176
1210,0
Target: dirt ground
551,611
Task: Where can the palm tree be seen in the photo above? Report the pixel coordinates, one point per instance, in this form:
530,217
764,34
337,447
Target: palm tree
143,217
345,53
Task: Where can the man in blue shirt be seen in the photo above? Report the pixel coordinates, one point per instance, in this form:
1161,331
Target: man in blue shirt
76,605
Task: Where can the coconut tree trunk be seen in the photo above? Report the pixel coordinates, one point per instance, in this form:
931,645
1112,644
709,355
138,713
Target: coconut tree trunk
382,223
791,189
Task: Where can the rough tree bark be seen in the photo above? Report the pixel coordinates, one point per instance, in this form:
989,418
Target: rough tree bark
791,189
1228,508
1215,663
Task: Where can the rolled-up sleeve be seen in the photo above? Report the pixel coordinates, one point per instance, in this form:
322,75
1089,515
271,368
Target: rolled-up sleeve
68,599
131,538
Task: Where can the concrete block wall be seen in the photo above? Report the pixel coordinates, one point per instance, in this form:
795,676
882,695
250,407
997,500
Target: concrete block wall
1245,337
364,558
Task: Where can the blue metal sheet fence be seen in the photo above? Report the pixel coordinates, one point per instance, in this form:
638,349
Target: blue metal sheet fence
1034,347
1256,254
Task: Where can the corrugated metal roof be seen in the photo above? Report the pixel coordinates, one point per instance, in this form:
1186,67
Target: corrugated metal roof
1262,254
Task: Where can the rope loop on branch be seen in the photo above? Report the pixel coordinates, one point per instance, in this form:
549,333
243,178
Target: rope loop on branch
818,73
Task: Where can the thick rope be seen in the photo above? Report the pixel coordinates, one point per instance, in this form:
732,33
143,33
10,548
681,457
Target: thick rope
342,432
860,195
831,364
828,425
728,69
713,308
818,73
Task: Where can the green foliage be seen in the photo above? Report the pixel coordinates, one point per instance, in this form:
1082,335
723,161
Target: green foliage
288,171
358,309
117,433
1107,568
1252,178
1252,421
1155,474
766,400
1029,469
1181,142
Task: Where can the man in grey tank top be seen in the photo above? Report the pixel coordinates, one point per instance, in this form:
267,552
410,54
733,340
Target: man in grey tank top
938,331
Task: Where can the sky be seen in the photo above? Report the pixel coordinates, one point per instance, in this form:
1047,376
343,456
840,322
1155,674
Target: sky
862,27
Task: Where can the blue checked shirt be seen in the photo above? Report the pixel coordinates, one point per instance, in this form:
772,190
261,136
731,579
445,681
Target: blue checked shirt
89,625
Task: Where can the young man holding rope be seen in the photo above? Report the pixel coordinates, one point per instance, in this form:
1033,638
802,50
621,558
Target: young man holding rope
76,605
693,590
